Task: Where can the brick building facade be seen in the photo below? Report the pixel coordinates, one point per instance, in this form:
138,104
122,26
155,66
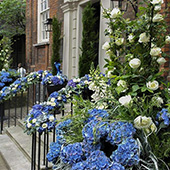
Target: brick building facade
38,52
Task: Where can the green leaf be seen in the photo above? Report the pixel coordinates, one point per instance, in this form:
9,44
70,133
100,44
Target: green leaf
135,88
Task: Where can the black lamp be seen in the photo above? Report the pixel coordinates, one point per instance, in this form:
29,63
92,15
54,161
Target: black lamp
48,25
124,6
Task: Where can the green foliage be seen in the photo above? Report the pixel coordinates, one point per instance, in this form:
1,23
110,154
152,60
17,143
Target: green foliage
12,17
56,25
89,40
5,53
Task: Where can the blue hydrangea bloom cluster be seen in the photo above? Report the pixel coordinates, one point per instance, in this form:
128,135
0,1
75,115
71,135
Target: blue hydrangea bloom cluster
40,120
100,138
55,147
95,114
4,78
164,116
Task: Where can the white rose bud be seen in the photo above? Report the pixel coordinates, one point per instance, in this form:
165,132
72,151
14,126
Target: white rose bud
167,40
115,12
122,83
142,122
157,18
157,101
134,63
155,51
161,60
131,38
144,38
125,100
34,120
154,2
154,85
106,46
119,41
51,118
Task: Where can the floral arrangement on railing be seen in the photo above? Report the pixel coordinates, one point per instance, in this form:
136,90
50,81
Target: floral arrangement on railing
7,77
56,100
129,133
21,84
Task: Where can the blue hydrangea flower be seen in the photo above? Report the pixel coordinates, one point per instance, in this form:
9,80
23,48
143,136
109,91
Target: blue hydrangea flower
127,153
71,83
72,153
94,114
164,115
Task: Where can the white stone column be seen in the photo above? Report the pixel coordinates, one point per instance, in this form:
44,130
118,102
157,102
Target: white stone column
69,40
102,37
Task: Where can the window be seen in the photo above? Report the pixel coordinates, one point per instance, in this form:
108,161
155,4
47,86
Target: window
43,15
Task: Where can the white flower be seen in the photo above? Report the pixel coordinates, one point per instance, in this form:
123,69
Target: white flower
34,120
52,99
153,127
154,85
142,122
122,83
157,101
59,98
157,8
155,51
144,38
29,125
131,38
125,100
134,63
167,39
51,118
115,12
161,60
44,125
109,73
119,41
154,2
106,46
92,86
86,82
157,18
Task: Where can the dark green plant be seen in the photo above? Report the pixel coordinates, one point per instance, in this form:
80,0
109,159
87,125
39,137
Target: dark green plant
12,17
89,40
56,27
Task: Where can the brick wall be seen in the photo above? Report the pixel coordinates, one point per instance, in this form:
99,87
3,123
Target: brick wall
38,55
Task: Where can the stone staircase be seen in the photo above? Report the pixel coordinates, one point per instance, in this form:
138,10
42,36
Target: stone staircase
15,149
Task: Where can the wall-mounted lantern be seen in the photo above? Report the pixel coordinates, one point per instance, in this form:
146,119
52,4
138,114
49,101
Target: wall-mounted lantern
48,25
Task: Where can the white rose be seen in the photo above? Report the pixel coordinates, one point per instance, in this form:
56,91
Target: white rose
86,82
29,125
155,51
134,63
125,100
154,85
157,101
34,120
157,8
154,2
131,38
161,60
142,122
115,12
59,98
106,46
92,86
52,99
144,38
119,41
44,125
157,18
167,40
51,118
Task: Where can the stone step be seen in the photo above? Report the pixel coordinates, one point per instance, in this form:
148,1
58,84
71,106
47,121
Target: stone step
24,142
13,157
